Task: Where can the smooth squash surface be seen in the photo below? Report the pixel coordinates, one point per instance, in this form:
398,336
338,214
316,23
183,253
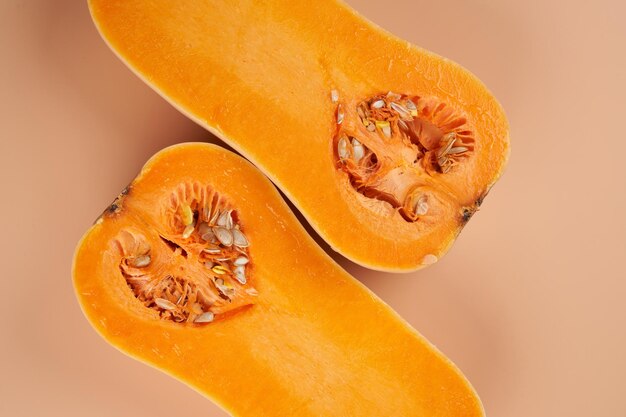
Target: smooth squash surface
289,334
386,149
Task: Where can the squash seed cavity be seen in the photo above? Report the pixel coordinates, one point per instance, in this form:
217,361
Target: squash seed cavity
199,267
391,142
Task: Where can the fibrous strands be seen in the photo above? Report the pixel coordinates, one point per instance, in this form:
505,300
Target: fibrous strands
204,235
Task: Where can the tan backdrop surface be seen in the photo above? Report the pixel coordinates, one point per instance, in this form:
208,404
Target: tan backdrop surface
529,302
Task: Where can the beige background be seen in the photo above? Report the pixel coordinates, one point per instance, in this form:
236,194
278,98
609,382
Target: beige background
529,302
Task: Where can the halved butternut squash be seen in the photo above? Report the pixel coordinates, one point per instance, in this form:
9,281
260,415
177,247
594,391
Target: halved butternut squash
385,148
199,269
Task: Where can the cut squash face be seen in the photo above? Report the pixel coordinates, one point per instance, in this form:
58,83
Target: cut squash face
200,270
385,148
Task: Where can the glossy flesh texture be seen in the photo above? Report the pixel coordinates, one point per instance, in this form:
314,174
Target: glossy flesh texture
310,341
262,75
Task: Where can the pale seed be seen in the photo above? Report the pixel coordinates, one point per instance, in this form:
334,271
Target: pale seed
208,236
371,127
208,264
206,317
242,260
188,231
450,138
203,228
239,239
458,149
421,207
378,104
206,212
226,220
224,235
400,109
212,249
240,274
358,152
214,217
339,114
387,131
141,261
342,148
165,304
410,105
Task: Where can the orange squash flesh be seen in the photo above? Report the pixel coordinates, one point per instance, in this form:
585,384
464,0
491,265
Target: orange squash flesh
274,79
301,337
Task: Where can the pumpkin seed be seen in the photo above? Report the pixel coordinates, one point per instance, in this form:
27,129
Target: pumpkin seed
449,140
342,148
378,104
339,114
223,287
206,317
421,206
188,230
240,274
204,228
242,260
208,236
357,150
214,218
224,235
240,239
225,220
141,261
403,111
212,249
165,304
457,150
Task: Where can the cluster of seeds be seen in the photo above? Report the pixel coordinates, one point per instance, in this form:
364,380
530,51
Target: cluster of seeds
386,114
208,243
411,135
225,251
451,146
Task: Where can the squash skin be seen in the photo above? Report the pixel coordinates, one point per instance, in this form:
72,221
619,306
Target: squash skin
264,88
315,343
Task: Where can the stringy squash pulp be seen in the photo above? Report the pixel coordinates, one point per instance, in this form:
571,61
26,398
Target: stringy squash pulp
386,149
200,270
